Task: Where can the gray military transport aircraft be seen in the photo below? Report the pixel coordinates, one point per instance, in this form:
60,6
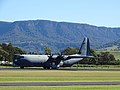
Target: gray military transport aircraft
53,61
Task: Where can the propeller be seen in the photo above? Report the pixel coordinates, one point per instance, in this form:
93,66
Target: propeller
61,55
54,60
50,55
59,58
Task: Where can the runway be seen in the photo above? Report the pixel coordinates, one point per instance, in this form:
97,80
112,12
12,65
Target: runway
68,69
58,83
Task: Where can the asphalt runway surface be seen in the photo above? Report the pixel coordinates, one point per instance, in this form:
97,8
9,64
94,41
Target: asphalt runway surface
68,69
58,83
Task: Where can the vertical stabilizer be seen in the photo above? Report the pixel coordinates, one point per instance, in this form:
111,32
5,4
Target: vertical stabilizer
85,47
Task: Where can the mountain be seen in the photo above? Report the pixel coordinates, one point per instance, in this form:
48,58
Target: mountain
35,35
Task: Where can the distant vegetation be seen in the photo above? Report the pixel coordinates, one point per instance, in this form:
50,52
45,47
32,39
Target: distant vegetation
116,54
70,50
35,35
104,58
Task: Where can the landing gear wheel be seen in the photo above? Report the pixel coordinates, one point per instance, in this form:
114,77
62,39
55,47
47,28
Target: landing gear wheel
46,67
21,67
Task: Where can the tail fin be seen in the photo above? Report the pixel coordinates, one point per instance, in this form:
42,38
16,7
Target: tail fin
85,47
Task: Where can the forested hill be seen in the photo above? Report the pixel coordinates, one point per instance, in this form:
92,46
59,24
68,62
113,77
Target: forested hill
35,35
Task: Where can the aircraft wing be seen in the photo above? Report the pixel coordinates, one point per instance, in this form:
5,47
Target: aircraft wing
78,56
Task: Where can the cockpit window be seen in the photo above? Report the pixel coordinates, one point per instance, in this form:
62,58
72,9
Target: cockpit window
18,56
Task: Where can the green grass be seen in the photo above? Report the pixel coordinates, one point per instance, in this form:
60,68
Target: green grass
116,54
6,66
96,67
60,88
58,75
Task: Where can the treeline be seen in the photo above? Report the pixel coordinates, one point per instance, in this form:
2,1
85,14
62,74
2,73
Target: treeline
102,58
7,52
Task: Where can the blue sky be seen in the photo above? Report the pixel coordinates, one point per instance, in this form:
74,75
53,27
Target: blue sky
94,12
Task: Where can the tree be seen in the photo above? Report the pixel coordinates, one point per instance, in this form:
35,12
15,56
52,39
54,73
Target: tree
47,50
3,54
7,51
69,51
106,58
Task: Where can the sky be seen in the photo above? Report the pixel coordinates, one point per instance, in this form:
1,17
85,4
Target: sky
93,12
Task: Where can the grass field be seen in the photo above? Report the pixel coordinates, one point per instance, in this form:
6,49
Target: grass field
116,54
58,75
61,88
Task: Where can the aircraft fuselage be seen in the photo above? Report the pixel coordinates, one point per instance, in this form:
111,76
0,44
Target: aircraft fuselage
42,61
